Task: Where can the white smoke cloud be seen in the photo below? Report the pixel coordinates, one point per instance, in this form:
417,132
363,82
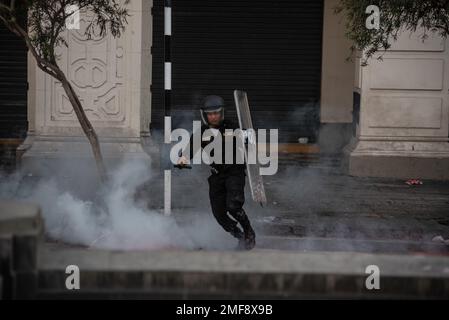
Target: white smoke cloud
117,220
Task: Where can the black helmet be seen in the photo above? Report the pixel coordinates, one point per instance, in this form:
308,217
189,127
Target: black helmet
212,104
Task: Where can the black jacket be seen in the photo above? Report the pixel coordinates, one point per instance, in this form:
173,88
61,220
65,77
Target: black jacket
226,124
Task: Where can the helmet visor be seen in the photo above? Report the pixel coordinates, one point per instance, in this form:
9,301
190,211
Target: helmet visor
204,113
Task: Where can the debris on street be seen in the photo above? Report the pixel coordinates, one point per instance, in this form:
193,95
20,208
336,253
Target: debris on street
440,239
414,182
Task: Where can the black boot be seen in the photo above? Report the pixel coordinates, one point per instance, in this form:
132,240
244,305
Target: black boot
240,236
237,233
248,241
250,237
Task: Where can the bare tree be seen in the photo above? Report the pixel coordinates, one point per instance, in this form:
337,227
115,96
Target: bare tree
46,21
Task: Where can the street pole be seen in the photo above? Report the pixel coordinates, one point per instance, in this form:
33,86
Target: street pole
167,101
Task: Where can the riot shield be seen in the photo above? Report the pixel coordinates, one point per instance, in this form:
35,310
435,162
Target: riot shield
250,148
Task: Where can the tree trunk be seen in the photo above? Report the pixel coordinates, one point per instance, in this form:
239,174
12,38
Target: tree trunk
52,69
85,125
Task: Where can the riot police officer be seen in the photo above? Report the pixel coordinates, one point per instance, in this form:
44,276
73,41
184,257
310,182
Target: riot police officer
227,181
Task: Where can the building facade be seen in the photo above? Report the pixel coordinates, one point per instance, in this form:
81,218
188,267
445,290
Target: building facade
291,57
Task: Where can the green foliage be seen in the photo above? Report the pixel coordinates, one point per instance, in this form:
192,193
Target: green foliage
395,16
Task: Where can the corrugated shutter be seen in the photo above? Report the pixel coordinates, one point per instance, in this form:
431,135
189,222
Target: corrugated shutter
157,50
13,85
270,48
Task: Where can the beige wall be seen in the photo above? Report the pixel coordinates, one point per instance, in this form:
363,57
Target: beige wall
337,75
405,94
404,113
112,77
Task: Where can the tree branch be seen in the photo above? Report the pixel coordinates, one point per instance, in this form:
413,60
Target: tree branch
43,65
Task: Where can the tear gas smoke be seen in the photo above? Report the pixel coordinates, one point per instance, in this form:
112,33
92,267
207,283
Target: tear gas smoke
114,218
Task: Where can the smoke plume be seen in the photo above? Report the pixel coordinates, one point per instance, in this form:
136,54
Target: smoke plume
115,217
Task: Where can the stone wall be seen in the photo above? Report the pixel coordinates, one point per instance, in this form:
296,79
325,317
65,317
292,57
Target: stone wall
337,76
403,130
112,77
21,230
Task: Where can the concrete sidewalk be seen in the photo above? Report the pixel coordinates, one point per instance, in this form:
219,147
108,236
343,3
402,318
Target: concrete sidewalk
226,274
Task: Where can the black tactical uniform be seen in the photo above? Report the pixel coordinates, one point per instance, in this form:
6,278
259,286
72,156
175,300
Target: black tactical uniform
227,183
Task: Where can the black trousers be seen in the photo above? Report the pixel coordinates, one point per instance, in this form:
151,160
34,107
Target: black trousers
227,195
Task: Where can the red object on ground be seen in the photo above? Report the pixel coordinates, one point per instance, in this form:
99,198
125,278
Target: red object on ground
413,182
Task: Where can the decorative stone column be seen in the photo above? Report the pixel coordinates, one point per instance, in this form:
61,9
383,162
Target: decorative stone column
112,78
403,130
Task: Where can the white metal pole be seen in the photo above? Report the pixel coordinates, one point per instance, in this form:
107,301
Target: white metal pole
167,192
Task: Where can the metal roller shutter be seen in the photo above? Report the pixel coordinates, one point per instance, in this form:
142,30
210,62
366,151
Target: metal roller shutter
270,48
13,85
